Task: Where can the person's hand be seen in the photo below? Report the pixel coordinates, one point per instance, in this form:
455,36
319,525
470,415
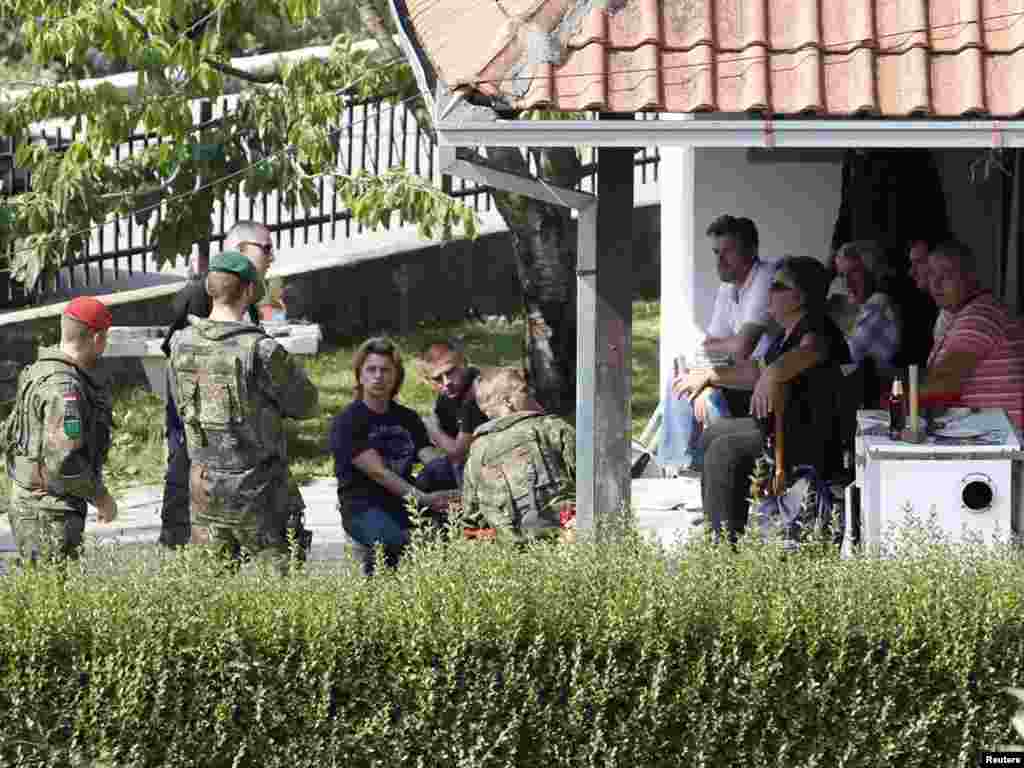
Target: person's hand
702,405
433,427
691,383
106,509
439,500
767,392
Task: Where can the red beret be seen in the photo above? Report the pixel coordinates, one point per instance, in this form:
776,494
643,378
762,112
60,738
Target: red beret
91,311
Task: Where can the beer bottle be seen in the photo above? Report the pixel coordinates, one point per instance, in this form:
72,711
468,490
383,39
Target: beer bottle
897,410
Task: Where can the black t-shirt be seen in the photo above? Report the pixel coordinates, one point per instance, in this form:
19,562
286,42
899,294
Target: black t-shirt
398,436
456,415
813,408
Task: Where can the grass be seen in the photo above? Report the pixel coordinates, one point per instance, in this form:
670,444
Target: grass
138,452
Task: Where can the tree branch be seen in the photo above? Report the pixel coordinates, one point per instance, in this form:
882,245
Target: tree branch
240,74
375,25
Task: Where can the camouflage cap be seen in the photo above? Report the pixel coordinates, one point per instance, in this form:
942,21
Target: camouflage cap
234,263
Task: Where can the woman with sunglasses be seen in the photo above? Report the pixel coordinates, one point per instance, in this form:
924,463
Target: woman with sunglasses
801,366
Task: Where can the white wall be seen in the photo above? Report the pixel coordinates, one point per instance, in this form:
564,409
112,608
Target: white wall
792,195
793,201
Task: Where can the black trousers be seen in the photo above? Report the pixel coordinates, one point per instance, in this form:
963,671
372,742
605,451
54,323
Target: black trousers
175,523
731,448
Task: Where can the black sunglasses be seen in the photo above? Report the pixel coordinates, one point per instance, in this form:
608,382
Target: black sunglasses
267,248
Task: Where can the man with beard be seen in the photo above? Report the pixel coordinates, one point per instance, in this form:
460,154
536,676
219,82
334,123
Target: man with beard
737,325
456,414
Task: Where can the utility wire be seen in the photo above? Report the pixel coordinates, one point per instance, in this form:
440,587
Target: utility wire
812,48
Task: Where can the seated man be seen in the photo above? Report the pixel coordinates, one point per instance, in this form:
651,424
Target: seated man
521,463
737,324
802,361
981,356
376,442
456,414
873,328
924,321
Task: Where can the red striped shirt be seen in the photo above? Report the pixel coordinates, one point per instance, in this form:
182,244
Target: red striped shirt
985,328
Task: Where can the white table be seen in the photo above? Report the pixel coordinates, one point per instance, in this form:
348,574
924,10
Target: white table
968,484
144,342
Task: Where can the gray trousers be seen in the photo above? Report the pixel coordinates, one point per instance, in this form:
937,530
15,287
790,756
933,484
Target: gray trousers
731,448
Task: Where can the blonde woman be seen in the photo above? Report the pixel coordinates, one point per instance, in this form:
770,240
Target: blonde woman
521,461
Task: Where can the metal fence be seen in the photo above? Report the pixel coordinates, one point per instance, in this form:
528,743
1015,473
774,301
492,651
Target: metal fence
372,135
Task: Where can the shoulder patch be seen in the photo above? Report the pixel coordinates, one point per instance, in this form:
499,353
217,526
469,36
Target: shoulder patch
72,414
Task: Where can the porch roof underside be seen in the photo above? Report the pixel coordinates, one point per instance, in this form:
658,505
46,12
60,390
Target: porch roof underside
942,58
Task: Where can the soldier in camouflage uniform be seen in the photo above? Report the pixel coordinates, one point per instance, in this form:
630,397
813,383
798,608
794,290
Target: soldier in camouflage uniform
233,386
520,463
56,438
252,240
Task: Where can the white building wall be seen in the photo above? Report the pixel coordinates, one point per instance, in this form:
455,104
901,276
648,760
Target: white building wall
792,195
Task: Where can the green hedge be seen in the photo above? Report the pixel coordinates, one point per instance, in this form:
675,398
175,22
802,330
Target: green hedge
476,654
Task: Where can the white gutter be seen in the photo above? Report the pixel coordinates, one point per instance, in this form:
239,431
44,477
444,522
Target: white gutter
795,133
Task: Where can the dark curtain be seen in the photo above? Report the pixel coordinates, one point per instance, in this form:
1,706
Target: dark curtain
1008,286
891,196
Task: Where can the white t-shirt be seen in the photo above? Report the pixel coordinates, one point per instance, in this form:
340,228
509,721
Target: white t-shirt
739,305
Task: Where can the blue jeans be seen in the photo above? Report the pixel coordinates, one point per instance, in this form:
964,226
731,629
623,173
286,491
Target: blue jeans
680,444
369,524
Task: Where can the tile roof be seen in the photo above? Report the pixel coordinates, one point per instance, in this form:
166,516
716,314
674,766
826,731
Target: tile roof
834,57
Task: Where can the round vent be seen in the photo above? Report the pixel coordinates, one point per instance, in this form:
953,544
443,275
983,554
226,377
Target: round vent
977,493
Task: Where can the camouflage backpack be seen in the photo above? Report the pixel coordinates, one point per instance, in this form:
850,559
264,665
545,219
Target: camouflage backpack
521,473
212,380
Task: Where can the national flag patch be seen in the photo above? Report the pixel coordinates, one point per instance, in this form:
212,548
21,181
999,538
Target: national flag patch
72,416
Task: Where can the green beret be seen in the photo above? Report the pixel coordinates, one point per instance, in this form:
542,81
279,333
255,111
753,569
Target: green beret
235,263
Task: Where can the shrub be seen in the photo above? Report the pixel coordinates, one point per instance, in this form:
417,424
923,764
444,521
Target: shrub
483,654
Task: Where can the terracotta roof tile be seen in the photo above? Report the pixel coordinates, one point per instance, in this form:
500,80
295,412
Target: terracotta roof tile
838,57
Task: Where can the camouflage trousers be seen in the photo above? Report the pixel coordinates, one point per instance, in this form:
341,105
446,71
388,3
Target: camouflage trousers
242,543
244,515
44,532
175,512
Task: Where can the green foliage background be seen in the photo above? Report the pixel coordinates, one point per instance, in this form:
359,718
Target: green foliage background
262,34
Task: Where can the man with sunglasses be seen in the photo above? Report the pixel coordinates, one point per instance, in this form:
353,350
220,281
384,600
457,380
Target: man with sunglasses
253,241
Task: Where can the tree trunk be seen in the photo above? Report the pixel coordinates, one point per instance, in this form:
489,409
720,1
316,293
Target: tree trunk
544,243
545,249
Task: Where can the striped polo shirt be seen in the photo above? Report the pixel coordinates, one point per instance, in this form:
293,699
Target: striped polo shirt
986,328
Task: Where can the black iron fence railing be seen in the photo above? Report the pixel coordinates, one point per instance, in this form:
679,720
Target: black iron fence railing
373,135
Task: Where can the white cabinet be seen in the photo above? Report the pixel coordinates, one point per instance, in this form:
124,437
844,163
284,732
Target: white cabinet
964,478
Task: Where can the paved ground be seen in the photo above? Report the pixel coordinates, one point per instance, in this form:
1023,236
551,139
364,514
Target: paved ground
139,515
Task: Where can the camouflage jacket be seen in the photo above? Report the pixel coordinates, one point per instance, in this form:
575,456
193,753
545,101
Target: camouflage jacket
56,438
233,386
518,467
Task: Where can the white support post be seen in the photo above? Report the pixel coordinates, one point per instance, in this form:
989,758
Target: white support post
677,178
587,492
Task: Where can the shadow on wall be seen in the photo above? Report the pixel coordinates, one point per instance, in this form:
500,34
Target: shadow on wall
443,283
